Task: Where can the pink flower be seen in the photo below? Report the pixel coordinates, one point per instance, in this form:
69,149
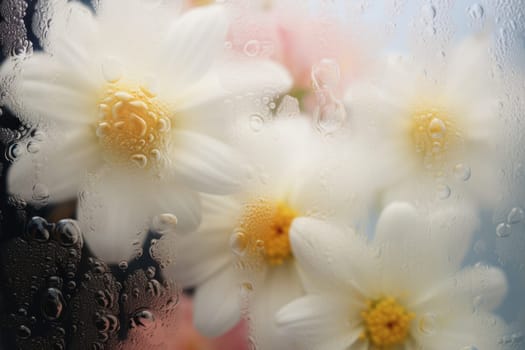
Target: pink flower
298,39
186,337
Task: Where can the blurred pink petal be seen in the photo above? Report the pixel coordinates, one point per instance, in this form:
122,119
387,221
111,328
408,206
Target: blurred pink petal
186,337
299,39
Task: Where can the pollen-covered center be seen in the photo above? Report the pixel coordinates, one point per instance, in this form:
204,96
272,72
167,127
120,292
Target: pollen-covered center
133,125
386,322
263,234
433,133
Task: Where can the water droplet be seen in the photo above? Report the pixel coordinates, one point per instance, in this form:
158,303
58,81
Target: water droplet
71,285
123,265
102,324
112,69
40,192
325,74
164,124
23,332
515,216
252,48
238,243
67,232
14,151
52,304
476,11
142,318
437,128
503,230
462,172
428,12
38,135
33,147
154,288
139,160
164,223
428,323
443,191
256,122
330,117
150,272
38,229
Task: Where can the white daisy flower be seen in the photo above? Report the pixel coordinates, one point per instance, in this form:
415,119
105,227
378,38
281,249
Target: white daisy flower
434,130
133,95
243,240
404,290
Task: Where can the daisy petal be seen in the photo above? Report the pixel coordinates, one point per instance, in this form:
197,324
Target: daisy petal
214,318
280,286
204,163
406,243
318,322
167,197
60,165
193,43
200,255
327,255
113,218
481,287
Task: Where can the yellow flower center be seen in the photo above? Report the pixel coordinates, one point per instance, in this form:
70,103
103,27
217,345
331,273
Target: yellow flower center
133,125
433,132
263,232
387,323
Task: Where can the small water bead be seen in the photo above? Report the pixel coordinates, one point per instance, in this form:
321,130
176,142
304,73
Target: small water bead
67,232
40,192
38,229
428,323
443,191
437,128
515,216
14,151
52,304
123,265
139,160
325,74
469,347
476,11
503,230
428,12
252,48
114,324
33,147
150,272
330,117
142,318
462,172
154,288
102,324
256,122
23,332
239,242
164,223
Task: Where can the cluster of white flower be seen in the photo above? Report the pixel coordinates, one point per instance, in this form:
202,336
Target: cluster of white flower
271,214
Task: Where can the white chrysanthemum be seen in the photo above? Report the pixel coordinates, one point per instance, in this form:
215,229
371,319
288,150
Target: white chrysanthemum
434,130
243,240
133,95
405,290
